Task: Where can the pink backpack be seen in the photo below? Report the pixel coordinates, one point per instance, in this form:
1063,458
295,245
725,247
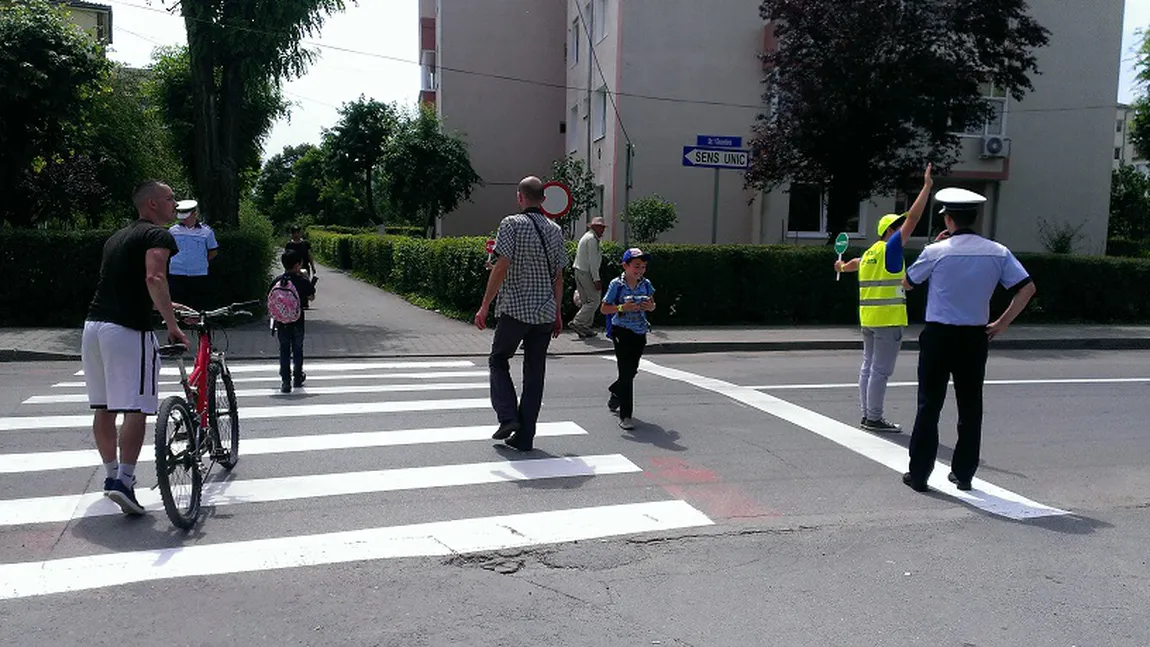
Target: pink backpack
283,302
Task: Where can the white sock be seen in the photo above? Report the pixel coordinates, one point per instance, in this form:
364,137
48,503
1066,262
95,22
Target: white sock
111,469
126,474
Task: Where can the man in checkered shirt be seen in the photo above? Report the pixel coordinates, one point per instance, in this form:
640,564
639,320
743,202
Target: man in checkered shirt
528,278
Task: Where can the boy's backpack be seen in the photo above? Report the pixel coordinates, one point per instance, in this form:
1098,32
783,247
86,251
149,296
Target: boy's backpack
283,301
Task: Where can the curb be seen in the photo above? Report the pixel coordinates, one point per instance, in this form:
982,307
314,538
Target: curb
673,348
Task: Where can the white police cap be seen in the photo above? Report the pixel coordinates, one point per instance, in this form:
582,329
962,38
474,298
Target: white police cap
185,206
954,199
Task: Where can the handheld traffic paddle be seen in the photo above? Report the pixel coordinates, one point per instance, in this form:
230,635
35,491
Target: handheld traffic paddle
841,243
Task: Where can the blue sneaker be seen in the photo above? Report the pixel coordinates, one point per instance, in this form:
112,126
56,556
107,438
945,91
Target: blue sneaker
124,496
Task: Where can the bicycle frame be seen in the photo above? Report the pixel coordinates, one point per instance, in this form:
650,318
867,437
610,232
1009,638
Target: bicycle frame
196,385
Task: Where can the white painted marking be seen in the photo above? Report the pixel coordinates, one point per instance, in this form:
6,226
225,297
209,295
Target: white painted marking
20,423
417,540
854,385
986,496
16,512
274,379
327,366
87,458
308,390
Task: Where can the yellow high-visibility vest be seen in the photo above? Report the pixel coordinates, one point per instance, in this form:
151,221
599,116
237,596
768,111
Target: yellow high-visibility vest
882,300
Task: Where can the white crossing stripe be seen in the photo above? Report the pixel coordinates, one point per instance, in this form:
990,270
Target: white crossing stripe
417,540
986,496
21,423
15,512
274,379
328,366
855,385
88,458
312,390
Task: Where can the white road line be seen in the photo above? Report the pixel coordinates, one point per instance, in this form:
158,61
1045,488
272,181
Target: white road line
88,458
22,423
327,366
418,540
14,512
854,385
986,496
307,390
274,379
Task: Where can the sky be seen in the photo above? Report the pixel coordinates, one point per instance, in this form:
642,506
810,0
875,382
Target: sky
384,34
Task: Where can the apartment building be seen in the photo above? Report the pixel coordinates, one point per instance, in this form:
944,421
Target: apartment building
1124,153
657,74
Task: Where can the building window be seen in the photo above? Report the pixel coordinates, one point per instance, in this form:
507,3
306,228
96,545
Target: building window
588,16
599,193
573,129
807,213
576,38
996,125
599,113
1117,153
1118,127
600,20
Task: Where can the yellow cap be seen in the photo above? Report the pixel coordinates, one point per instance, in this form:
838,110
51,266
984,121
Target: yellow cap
886,221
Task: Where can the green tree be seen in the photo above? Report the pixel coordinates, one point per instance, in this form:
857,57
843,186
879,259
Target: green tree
1129,228
572,172
234,47
261,103
648,217
357,145
1140,129
315,195
49,73
428,172
277,172
863,93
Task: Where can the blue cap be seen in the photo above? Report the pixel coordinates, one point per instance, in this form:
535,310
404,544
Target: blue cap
635,252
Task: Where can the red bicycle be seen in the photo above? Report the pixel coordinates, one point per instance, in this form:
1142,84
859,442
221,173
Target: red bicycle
187,445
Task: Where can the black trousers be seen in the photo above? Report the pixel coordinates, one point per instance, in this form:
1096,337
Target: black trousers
628,351
946,352
509,333
291,348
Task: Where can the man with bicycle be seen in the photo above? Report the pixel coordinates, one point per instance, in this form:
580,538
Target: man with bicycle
119,350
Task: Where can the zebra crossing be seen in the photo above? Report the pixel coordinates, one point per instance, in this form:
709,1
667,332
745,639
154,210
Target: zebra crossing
362,435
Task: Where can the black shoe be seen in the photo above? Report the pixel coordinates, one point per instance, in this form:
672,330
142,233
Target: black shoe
285,387
505,430
914,485
962,485
299,380
613,403
882,424
517,445
863,423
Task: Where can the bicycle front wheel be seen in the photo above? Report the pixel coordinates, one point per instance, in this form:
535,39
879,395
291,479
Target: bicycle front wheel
223,416
177,465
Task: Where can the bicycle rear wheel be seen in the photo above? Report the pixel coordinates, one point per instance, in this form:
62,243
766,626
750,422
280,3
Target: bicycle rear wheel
223,416
177,465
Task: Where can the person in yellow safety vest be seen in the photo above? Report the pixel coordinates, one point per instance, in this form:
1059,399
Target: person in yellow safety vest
882,306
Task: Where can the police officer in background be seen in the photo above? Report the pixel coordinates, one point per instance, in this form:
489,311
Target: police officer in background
962,270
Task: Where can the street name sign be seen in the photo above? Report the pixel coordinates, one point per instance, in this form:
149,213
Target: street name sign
695,156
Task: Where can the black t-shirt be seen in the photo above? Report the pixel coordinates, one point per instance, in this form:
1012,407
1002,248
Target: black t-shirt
122,294
303,248
302,286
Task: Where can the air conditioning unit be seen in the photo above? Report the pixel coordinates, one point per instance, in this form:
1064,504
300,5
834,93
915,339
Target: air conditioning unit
995,146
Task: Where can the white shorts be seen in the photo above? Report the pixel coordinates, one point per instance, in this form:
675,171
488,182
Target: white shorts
121,367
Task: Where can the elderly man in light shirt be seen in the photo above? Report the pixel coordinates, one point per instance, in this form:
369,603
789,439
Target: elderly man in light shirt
588,258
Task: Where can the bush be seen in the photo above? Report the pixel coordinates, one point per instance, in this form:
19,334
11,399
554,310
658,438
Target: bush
52,275
736,284
648,217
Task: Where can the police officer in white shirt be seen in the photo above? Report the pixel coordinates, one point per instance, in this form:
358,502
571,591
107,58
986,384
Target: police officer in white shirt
961,274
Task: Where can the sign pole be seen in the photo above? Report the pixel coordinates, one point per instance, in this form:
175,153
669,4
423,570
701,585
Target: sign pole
715,211
841,243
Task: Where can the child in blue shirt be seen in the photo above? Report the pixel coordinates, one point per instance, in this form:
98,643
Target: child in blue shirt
628,300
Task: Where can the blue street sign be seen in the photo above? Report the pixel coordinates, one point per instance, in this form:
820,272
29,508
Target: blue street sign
715,157
712,141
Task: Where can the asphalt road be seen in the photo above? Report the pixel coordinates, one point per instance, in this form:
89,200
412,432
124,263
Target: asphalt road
746,509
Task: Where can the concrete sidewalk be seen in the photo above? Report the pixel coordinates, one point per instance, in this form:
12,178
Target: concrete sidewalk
352,319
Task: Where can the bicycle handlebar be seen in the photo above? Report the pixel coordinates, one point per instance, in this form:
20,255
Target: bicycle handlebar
204,315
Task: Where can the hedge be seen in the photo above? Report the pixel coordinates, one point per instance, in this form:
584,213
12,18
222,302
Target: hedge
49,277
737,284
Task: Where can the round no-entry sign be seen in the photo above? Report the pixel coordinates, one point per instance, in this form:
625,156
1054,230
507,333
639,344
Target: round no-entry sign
841,243
556,199
490,246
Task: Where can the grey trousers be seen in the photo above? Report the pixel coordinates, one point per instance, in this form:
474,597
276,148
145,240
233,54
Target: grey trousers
589,297
880,352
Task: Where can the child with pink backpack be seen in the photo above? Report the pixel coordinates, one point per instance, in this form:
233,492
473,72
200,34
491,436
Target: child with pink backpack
286,297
